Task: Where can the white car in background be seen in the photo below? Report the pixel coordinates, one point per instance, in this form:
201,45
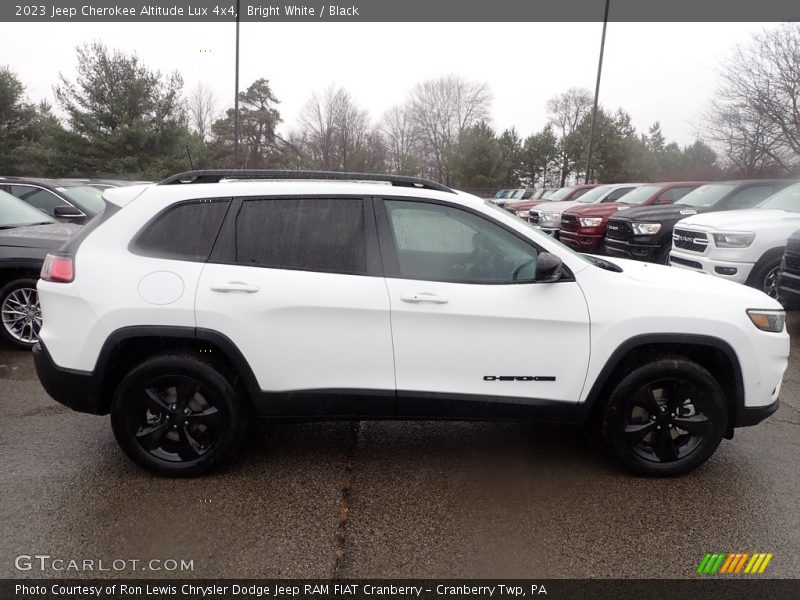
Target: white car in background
745,246
548,215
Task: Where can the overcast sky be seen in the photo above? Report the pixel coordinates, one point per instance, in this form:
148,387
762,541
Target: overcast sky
656,71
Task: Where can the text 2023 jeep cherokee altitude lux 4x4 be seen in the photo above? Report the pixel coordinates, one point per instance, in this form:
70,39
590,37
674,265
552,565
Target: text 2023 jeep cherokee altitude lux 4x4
191,306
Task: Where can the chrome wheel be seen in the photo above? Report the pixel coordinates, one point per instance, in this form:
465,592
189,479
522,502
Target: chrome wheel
21,314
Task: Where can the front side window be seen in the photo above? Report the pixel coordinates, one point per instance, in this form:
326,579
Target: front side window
595,194
183,232
308,234
441,243
42,199
706,195
786,199
749,197
617,194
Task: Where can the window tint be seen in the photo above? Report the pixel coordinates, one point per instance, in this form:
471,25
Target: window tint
676,193
617,194
185,232
304,233
441,243
749,197
37,198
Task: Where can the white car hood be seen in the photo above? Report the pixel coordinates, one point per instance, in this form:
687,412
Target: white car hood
690,282
744,220
556,207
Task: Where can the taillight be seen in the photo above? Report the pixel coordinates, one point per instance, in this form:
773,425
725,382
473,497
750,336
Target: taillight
58,268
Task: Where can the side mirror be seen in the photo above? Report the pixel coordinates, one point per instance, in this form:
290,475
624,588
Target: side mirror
548,268
67,212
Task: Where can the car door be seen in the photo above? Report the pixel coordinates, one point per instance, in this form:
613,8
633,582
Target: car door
474,334
295,284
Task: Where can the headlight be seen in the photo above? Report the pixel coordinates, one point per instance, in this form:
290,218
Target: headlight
590,221
550,217
768,320
646,228
734,240
522,214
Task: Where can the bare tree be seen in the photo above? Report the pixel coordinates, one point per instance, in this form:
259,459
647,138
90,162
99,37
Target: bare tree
203,109
755,117
336,135
401,139
565,113
442,110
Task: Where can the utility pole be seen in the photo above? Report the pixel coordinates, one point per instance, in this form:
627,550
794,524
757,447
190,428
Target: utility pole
236,98
596,95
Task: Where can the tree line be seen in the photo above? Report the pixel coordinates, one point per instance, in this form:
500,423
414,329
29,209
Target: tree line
123,119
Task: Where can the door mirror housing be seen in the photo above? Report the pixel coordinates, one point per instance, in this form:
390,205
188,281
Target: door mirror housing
548,268
67,212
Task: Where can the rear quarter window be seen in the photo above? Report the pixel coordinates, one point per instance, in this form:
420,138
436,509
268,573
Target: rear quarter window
186,231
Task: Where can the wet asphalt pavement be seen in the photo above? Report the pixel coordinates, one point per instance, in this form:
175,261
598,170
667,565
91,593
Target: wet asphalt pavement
391,499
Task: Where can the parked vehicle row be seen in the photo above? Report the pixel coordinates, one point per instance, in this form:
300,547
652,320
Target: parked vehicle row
196,307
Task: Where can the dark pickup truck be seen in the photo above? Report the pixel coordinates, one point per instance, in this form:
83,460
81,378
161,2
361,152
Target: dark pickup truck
645,233
26,236
789,275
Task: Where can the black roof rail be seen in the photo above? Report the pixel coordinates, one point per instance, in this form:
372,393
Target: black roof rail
215,176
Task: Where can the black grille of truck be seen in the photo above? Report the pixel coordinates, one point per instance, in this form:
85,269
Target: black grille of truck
569,223
619,230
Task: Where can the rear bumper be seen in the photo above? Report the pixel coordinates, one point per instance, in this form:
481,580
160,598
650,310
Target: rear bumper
581,242
78,390
747,416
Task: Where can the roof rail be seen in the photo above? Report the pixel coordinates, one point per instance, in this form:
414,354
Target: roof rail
215,176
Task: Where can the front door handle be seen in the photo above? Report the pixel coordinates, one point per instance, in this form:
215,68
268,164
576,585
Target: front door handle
424,297
234,286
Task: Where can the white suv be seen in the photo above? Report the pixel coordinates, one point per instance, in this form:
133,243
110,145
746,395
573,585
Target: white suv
745,246
190,307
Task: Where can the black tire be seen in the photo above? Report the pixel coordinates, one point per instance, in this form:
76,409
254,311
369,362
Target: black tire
765,274
21,333
644,419
662,256
177,416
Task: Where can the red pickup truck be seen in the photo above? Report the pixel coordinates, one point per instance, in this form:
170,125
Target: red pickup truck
583,227
521,209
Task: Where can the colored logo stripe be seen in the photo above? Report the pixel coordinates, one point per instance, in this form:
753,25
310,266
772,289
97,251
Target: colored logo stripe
737,562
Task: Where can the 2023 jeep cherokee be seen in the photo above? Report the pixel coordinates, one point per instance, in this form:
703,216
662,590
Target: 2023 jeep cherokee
191,306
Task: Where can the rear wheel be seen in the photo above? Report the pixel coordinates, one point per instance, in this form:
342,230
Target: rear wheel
20,313
666,417
177,416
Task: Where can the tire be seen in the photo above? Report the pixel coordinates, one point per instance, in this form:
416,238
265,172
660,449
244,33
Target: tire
20,313
178,416
765,275
662,256
644,418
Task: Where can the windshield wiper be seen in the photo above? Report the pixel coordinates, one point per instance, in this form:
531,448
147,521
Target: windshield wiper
603,264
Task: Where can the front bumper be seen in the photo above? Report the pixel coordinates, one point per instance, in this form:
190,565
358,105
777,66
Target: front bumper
78,390
582,242
789,289
626,249
732,271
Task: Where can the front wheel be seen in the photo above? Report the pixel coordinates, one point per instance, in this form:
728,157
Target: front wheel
666,417
177,416
20,313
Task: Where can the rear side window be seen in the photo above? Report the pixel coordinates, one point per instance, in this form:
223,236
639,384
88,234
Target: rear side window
183,232
305,233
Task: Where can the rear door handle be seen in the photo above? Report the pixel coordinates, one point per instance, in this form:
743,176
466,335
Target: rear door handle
234,286
424,297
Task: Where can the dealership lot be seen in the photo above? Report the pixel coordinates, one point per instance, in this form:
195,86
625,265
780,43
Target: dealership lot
383,499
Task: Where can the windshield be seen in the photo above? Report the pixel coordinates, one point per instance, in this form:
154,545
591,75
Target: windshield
595,194
15,213
706,195
516,194
87,198
559,194
640,194
786,199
